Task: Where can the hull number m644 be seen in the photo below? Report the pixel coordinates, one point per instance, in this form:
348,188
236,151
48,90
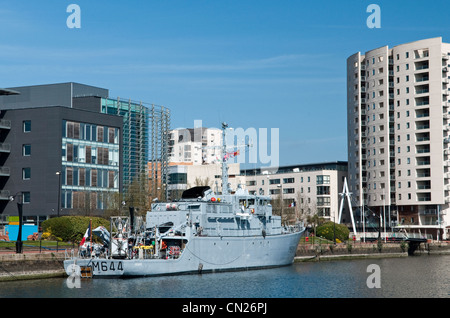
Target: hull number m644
105,267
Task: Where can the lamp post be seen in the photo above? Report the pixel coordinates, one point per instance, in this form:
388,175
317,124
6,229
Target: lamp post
19,243
59,192
282,203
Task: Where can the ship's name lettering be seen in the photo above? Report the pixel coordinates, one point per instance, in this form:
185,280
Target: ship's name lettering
104,266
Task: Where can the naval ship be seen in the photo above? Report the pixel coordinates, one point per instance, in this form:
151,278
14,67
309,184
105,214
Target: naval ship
204,231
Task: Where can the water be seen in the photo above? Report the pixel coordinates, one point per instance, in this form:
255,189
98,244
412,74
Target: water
419,276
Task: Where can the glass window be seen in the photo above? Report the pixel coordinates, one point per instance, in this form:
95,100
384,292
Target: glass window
26,125
26,173
322,190
94,177
100,134
274,181
288,180
26,197
325,179
26,150
69,152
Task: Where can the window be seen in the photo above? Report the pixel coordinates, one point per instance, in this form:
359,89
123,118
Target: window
26,150
26,173
274,181
323,190
26,197
323,179
274,191
26,125
288,180
321,201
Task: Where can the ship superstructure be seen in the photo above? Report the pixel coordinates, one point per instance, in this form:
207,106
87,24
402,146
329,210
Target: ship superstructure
203,231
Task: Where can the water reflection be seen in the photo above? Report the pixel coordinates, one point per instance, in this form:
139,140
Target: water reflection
419,276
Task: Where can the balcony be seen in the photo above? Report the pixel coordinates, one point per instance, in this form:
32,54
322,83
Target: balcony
427,162
421,54
422,66
5,147
429,212
422,77
422,101
422,126
424,185
4,195
423,150
424,196
5,171
5,124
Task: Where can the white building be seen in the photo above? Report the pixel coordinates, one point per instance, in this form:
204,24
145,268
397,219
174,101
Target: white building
185,176
398,133
195,145
314,188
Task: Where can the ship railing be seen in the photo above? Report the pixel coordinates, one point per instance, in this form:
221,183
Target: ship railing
292,228
69,254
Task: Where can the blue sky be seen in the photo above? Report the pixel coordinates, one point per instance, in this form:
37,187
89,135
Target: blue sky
261,64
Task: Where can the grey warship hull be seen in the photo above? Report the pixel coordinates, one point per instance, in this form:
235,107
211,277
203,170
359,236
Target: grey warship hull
202,254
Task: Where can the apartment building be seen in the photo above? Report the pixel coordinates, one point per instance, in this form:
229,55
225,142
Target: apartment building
398,134
183,176
71,147
307,188
62,158
195,145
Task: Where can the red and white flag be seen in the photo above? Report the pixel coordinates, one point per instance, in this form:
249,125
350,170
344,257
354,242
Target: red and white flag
86,235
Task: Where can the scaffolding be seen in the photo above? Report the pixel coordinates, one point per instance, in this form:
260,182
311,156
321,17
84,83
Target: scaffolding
145,139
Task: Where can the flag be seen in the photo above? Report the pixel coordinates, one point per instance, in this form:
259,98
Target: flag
231,154
86,235
292,204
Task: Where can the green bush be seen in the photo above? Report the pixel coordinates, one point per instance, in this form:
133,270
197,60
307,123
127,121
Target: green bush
326,230
71,228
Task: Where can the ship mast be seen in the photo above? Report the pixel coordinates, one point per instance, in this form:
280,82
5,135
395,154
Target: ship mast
225,188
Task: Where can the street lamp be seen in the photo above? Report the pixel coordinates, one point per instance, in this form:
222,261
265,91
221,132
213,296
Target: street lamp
59,192
282,203
19,243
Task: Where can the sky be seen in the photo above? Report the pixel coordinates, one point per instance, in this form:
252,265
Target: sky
255,64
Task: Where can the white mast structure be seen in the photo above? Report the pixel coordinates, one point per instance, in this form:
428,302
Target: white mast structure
346,194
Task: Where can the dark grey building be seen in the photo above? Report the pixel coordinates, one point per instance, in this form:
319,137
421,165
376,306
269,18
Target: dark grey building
59,153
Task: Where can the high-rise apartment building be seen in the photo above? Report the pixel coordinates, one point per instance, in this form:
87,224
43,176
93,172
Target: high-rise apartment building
398,134
195,145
